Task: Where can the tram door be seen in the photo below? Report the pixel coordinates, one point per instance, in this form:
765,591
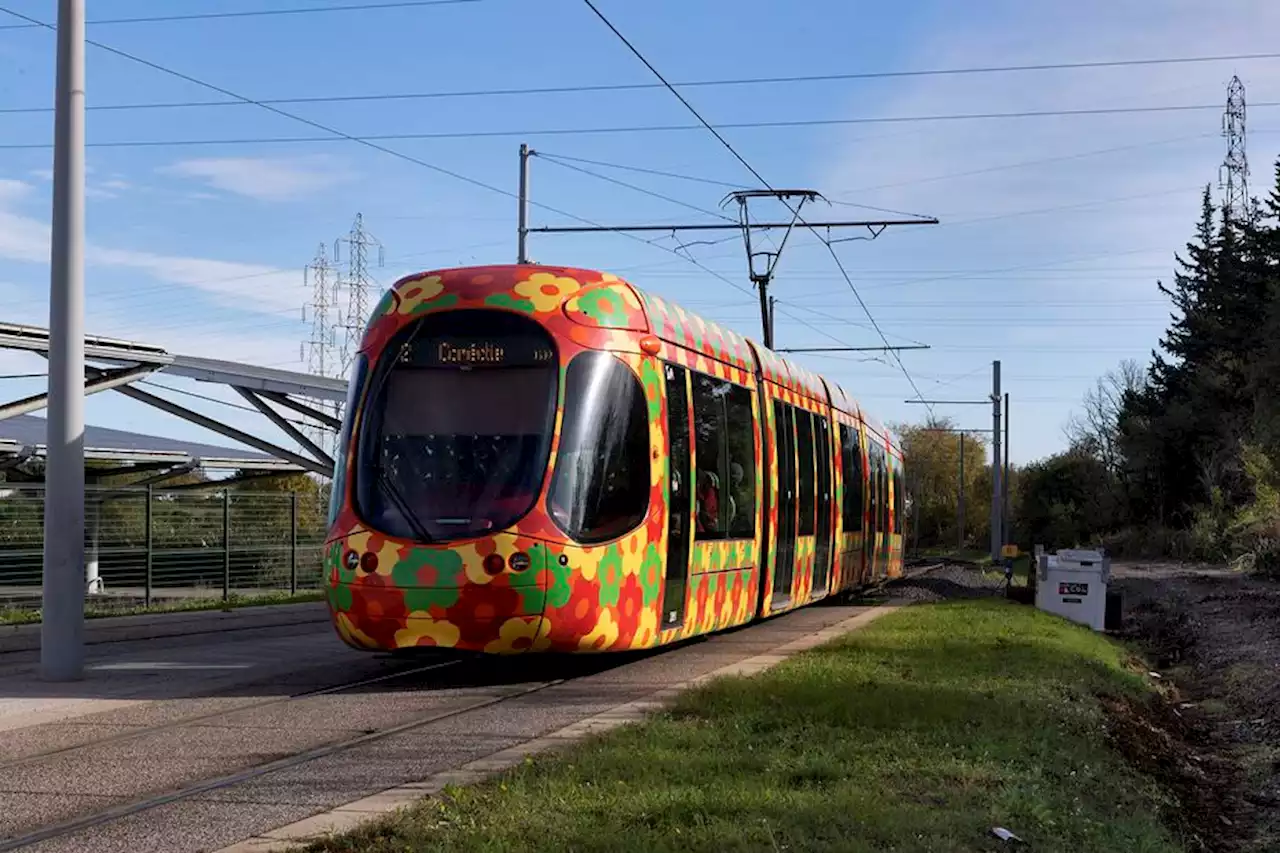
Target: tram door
679,498
784,563
822,551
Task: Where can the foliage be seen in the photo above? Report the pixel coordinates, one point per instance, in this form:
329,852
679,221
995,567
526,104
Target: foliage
920,732
1186,453
932,451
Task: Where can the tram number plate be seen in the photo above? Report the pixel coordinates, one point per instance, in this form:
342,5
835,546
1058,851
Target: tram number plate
1073,589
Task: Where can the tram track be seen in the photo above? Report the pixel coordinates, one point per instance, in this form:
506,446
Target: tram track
124,810
493,674
184,722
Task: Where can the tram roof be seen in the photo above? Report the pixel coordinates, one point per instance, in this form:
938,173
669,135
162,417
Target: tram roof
639,311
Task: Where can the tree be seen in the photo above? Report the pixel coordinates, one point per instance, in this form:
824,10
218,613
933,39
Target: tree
932,453
1096,430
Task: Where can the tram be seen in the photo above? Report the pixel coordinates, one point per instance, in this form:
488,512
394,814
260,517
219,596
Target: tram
548,459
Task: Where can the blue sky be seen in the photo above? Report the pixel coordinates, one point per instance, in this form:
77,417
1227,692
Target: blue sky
1054,229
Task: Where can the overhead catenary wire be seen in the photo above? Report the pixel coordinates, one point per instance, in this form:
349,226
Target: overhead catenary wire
781,124
259,13
764,183
603,87
394,153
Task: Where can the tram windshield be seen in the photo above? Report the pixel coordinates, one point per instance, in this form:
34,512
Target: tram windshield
459,428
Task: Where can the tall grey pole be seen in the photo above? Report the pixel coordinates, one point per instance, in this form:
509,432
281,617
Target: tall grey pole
62,625
1004,512
997,523
522,238
961,507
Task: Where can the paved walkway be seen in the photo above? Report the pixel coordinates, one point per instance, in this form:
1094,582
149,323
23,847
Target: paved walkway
199,743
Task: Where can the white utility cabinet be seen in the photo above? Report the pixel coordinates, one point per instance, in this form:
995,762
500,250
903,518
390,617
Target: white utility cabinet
1073,584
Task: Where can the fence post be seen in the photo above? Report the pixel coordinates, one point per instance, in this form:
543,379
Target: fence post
150,542
293,543
226,544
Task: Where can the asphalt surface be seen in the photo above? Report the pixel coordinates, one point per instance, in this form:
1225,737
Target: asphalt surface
195,719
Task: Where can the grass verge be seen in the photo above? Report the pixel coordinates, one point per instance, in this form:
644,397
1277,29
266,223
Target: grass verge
31,617
920,732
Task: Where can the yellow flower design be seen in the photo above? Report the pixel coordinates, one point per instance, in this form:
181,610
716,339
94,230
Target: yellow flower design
416,291
348,631
518,634
647,630
420,626
546,291
604,635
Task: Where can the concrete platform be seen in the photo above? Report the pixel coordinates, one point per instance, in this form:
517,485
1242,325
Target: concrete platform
153,626
170,746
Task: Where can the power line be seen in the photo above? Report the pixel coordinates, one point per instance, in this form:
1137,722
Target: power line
257,13
763,182
397,154
600,87
553,159
782,124
226,403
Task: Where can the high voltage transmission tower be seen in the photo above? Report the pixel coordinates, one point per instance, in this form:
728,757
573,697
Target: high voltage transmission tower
357,282
320,349
1233,176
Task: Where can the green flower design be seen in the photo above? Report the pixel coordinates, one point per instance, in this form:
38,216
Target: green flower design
506,300
533,598
561,587
609,576
422,598
652,380
340,597
345,575
447,566
651,574
605,306
385,305
444,300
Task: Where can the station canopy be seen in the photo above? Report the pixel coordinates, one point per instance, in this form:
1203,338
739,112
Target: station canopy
114,365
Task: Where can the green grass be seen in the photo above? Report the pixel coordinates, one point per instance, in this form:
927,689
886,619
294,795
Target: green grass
31,617
919,733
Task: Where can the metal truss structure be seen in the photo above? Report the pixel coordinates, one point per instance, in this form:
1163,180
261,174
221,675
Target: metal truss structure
114,365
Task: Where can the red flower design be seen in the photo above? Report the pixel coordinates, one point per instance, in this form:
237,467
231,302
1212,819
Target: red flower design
482,608
578,617
627,613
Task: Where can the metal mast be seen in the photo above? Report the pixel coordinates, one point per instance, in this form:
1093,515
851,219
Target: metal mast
320,355
358,283
62,628
1233,176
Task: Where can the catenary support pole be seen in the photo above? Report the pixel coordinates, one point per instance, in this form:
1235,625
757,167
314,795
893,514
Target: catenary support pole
997,523
62,624
522,228
1004,512
961,507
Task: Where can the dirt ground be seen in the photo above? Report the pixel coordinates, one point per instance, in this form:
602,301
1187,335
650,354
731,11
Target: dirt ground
1214,637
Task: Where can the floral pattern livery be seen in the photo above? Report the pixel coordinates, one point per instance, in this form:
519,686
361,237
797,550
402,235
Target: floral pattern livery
567,596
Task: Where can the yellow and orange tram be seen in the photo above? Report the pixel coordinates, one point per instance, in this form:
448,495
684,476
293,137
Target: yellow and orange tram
540,458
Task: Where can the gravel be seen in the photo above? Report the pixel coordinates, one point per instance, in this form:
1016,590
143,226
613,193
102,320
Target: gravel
948,581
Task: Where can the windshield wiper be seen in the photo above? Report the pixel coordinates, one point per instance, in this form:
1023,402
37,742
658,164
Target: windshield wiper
393,491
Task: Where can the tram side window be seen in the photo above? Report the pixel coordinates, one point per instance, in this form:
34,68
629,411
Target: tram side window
740,439
804,456
873,479
709,431
600,490
851,458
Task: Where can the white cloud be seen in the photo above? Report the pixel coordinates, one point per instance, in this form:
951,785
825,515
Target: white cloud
246,287
261,178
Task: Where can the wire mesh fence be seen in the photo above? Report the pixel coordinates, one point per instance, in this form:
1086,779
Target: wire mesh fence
145,545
